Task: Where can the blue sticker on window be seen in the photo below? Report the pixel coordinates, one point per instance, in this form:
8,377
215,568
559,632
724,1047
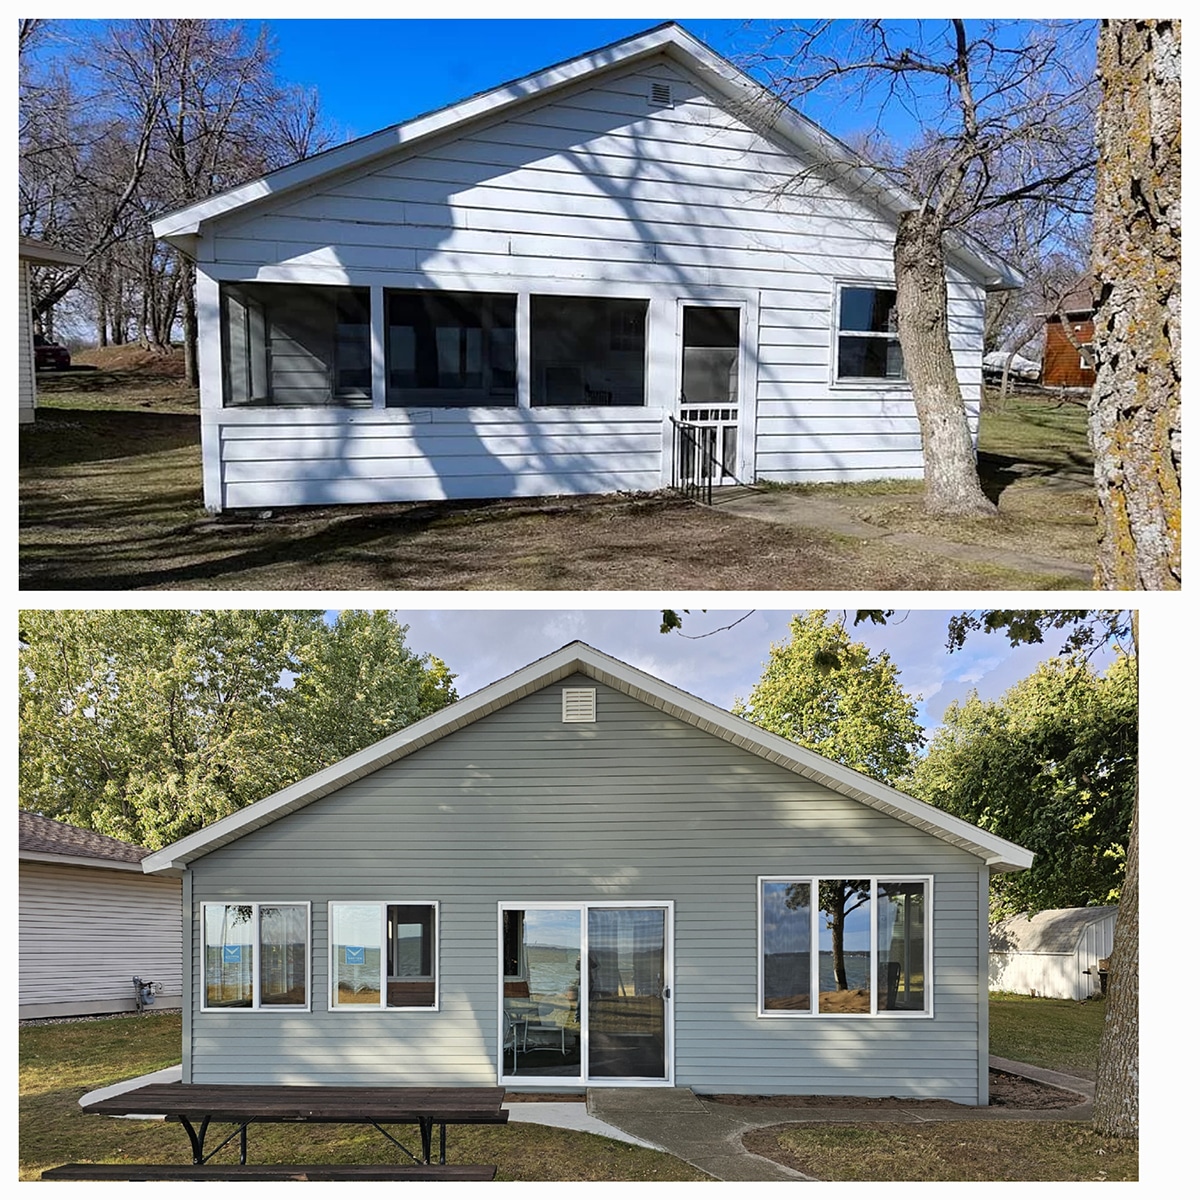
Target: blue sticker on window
356,955
231,954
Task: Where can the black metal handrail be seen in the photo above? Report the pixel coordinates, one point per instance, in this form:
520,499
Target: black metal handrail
694,460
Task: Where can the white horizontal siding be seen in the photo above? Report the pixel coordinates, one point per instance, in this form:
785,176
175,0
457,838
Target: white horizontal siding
86,932
591,192
638,806
26,383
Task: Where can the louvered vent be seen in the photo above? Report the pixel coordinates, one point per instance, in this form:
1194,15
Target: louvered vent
579,704
660,95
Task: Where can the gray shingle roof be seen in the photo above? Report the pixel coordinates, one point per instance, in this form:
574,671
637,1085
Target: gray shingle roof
1054,931
41,835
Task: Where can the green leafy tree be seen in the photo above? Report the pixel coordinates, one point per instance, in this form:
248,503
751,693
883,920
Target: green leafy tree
831,694
149,725
1053,766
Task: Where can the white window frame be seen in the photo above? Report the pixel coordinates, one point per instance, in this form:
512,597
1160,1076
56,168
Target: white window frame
874,1015
435,957
256,1005
835,319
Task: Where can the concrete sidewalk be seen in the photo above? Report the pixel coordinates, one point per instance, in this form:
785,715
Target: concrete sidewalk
708,1135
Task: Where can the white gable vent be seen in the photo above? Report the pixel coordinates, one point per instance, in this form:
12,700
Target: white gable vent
579,704
660,95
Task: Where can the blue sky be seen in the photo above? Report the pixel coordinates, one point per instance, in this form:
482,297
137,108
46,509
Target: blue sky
415,66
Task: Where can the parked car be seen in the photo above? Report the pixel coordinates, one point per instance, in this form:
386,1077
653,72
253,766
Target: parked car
1019,368
49,356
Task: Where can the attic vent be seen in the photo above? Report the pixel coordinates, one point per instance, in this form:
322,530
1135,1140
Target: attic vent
660,95
579,704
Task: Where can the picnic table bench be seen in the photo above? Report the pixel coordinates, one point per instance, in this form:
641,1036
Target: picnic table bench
196,1106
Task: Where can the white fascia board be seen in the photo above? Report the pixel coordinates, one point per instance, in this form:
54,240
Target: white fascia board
998,853
43,254
356,154
78,860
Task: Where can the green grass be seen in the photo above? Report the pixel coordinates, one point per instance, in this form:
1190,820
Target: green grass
1060,1035
942,1151
61,1061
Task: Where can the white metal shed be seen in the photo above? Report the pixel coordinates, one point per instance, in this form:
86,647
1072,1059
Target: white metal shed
1056,953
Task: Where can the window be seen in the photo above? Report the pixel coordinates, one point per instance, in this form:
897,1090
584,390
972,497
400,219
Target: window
451,348
383,955
255,956
844,946
868,340
586,350
293,344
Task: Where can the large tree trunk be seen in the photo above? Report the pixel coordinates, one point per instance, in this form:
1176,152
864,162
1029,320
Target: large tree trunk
1115,1113
952,486
1134,421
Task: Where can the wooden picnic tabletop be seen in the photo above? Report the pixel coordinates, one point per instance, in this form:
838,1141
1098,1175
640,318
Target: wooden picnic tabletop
281,1102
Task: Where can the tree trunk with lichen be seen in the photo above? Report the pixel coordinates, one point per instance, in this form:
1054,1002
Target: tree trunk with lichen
952,487
1115,1112
1134,418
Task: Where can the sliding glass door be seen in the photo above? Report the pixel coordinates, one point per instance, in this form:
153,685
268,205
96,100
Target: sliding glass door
586,993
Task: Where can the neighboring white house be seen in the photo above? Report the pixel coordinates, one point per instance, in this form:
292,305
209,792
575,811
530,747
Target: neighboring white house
37,254
90,920
1055,953
581,876
516,294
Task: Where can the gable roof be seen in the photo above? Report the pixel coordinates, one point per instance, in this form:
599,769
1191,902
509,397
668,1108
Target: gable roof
1052,931
41,839
43,254
579,658
743,94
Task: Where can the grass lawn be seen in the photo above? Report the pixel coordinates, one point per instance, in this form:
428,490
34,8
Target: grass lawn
60,1061
1060,1035
111,499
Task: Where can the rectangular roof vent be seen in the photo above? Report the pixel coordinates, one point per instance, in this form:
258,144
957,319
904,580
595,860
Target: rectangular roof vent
660,95
578,704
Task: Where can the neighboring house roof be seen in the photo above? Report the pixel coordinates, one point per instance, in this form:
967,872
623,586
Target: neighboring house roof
1054,931
42,840
756,105
43,254
1077,303
999,854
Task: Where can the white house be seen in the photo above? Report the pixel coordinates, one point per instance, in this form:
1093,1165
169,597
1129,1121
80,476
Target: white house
90,920
1057,953
583,876
32,253
516,294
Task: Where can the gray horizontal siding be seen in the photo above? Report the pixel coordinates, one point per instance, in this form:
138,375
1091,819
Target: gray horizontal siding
85,933
640,806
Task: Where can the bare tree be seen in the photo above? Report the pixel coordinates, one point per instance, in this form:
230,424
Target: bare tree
1004,115
1135,408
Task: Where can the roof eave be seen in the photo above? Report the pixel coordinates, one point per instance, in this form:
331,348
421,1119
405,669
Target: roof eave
78,860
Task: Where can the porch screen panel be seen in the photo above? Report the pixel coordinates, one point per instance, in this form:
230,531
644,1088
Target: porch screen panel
587,350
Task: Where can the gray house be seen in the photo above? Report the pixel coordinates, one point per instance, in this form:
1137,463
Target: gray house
90,920
583,876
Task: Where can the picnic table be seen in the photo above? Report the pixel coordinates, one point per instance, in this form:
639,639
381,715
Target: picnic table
196,1106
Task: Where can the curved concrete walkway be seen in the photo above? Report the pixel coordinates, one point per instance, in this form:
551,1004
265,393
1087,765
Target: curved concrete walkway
708,1135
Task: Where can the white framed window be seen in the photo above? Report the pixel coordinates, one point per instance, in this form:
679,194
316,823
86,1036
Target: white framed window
383,954
834,946
256,955
867,334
